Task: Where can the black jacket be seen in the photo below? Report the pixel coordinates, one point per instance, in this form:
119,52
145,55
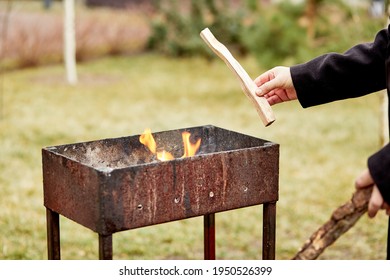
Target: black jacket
363,69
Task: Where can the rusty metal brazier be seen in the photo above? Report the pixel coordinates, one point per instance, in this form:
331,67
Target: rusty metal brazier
116,184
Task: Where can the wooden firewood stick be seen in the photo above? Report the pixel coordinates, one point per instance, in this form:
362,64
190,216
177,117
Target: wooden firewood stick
247,84
342,219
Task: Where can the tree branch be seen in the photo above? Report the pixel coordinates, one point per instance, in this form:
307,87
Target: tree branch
342,219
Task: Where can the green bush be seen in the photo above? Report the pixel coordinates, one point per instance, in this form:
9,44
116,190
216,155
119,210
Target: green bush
176,31
274,33
274,36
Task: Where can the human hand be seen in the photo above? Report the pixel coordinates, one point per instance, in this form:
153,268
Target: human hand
276,85
376,202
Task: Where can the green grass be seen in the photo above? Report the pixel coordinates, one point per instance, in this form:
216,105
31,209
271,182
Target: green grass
322,150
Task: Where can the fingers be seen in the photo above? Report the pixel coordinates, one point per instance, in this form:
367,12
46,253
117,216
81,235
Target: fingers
273,99
364,180
276,96
376,202
276,85
265,77
266,83
268,87
386,207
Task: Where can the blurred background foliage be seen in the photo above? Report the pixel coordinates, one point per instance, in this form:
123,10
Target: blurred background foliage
274,32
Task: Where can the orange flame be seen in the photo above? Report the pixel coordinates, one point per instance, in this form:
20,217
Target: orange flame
147,139
164,155
190,149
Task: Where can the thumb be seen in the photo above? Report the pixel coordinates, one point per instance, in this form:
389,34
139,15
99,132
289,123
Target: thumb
364,180
268,86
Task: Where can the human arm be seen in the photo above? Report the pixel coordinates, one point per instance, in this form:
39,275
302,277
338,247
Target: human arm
335,76
330,77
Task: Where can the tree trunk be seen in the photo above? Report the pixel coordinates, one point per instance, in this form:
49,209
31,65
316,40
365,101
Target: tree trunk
70,42
342,219
311,14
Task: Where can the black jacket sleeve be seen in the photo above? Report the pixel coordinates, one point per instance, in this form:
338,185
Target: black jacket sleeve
358,71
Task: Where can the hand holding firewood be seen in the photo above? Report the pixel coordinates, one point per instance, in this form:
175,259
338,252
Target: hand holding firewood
376,202
366,198
276,85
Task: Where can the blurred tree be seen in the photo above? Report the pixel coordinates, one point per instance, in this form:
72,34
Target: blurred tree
176,30
70,42
275,32
311,13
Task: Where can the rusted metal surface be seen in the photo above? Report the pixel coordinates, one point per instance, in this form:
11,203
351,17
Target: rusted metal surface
116,184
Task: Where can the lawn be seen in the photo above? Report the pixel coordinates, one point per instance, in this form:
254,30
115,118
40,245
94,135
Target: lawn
322,151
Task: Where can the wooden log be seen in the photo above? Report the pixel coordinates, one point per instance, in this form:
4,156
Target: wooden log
247,84
342,219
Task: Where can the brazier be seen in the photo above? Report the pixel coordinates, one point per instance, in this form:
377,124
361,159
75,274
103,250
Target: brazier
117,184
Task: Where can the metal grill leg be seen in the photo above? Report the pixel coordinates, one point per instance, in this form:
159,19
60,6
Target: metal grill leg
105,247
209,236
269,227
53,235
